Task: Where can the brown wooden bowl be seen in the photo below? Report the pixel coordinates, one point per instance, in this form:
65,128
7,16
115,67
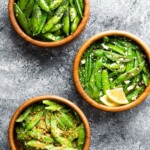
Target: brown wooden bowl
77,63
48,44
16,145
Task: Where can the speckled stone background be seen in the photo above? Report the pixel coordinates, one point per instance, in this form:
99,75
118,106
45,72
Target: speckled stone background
27,71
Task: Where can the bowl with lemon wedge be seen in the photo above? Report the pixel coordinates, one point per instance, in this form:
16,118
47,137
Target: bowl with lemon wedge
111,71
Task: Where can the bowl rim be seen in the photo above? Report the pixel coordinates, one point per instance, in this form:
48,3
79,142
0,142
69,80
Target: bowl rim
43,43
77,63
39,99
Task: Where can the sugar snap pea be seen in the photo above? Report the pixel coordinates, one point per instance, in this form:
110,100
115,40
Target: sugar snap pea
115,48
43,5
35,20
29,8
131,97
145,79
25,114
130,74
57,17
22,4
79,9
66,22
22,19
56,27
82,4
73,13
52,37
43,20
55,4
105,81
35,120
74,24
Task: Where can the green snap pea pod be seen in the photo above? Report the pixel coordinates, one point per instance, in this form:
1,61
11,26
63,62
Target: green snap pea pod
35,134
75,24
115,48
89,69
140,59
34,121
130,74
130,64
73,13
127,43
145,79
35,20
55,4
22,19
47,119
22,4
58,33
105,81
29,8
67,120
86,69
88,51
121,69
116,57
24,115
112,84
52,37
66,22
63,141
75,133
115,65
132,96
43,20
81,76
38,145
82,4
81,138
54,108
43,5
97,74
115,42
21,134
61,125
56,132
56,27
49,102
79,9
57,17
98,53
98,78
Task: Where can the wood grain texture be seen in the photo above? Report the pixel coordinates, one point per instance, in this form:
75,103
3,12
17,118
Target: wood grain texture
15,145
77,63
48,44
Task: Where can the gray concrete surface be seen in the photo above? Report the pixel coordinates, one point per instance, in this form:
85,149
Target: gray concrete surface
27,71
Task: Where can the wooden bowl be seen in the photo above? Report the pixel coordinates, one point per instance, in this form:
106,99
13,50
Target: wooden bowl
16,145
48,44
77,63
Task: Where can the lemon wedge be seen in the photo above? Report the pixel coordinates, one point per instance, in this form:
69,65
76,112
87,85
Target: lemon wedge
107,102
117,95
